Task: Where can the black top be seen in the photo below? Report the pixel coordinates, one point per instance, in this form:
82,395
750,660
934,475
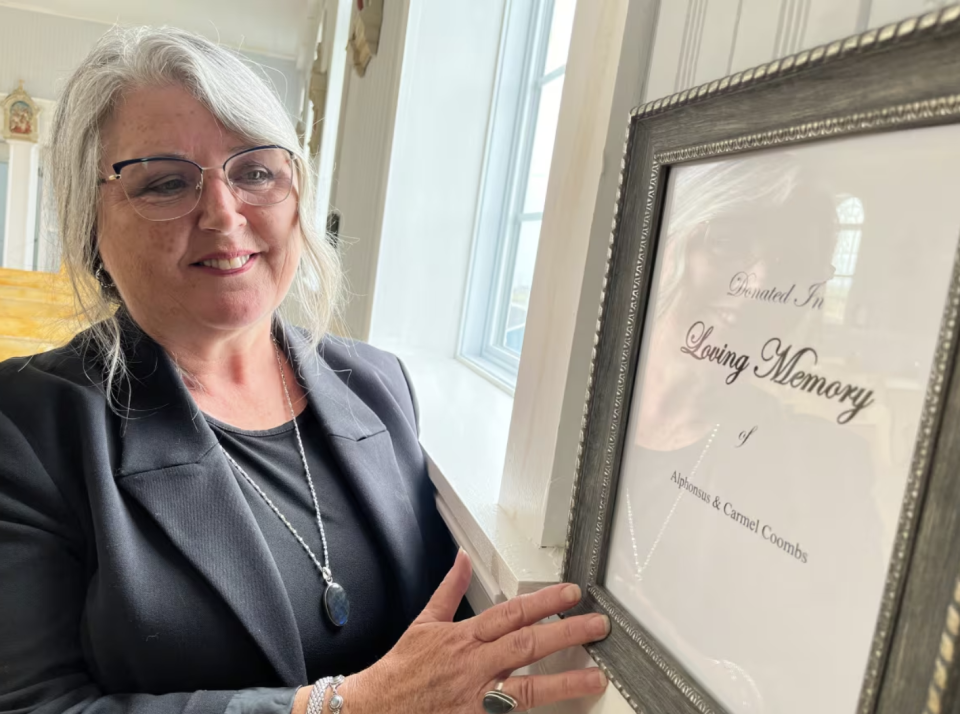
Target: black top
272,459
134,576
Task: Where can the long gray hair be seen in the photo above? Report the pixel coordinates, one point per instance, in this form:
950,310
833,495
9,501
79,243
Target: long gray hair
706,191
127,58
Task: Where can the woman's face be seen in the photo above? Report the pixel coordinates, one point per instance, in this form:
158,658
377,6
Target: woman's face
157,266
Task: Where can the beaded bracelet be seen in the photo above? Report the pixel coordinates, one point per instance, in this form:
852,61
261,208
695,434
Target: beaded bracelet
319,693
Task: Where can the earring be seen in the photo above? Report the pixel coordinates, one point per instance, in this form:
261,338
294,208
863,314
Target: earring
103,278
107,286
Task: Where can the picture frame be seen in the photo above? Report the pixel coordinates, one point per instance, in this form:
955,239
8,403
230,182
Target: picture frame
876,90
365,33
21,116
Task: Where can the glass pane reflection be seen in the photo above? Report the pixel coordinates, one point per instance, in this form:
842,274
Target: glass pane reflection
784,362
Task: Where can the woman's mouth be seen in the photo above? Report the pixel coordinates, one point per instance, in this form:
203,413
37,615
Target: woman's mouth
227,266
230,264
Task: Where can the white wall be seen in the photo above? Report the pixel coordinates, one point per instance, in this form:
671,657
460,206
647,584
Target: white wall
367,119
273,29
702,40
43,50
434,179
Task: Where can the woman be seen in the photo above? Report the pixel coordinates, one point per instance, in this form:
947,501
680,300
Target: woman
203,509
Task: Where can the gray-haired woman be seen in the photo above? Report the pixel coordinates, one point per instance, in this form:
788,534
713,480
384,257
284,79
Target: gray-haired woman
203,509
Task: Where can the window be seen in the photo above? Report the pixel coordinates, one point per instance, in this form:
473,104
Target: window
523,127
850,230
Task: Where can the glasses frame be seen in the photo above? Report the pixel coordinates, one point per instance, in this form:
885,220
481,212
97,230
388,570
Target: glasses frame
118,167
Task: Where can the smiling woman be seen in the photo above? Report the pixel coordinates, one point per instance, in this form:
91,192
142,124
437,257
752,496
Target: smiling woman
203,508
230,266
156,97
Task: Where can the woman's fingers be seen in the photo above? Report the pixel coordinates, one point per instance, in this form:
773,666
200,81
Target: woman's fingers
445,601
534,642
541,689
524,610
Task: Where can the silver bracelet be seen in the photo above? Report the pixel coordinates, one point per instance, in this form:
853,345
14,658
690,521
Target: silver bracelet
336,701
317,695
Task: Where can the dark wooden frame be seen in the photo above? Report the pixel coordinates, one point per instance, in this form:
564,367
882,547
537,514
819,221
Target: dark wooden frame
902,76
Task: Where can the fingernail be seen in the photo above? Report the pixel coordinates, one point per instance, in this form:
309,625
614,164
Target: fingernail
570,594
600,625
599,679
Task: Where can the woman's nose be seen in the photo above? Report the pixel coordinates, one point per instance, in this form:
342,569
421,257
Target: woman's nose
219,209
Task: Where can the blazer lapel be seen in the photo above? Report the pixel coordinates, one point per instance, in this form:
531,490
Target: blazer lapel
171,465
364,451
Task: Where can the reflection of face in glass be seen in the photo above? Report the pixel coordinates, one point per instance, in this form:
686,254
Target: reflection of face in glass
765,225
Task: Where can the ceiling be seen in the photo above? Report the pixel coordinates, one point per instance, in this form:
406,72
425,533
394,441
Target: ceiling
277,28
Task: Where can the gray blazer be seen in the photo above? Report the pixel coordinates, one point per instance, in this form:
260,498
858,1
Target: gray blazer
133,577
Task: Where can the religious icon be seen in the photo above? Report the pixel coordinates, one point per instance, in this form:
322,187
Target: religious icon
21,118
20,114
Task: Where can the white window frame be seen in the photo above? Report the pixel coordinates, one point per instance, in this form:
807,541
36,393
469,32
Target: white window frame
513,123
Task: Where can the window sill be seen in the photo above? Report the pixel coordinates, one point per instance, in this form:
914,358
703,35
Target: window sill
465,420
494,373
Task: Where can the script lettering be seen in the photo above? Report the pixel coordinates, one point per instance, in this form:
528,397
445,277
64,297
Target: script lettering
781,364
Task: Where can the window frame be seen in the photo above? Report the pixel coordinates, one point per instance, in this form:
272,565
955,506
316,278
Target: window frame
846,252
510,141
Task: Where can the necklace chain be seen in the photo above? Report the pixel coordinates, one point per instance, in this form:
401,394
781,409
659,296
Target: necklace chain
323,569
676,502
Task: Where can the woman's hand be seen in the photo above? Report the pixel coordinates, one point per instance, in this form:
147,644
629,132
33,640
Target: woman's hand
444,667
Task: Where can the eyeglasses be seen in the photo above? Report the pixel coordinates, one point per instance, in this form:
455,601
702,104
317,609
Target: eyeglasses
164,189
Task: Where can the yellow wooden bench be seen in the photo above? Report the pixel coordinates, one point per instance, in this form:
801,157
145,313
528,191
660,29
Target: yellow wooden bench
36,312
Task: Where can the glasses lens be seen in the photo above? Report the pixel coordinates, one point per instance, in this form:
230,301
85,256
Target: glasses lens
161,189
262,177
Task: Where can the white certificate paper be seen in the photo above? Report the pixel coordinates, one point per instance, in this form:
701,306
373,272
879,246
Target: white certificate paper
794,312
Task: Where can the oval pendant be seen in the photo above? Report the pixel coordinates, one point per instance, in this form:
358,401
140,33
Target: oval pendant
337,605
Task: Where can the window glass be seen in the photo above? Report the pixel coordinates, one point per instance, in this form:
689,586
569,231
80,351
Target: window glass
536,38
520,284
561,28
548,112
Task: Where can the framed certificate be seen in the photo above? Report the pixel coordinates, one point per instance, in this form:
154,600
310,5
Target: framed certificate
767,501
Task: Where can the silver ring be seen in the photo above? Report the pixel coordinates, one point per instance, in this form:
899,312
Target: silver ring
497,702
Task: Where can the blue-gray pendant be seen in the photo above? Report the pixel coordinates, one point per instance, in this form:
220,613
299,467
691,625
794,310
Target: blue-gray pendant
337,604
495,702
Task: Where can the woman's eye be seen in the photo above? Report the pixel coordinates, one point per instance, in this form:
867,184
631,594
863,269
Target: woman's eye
167,187
254,175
